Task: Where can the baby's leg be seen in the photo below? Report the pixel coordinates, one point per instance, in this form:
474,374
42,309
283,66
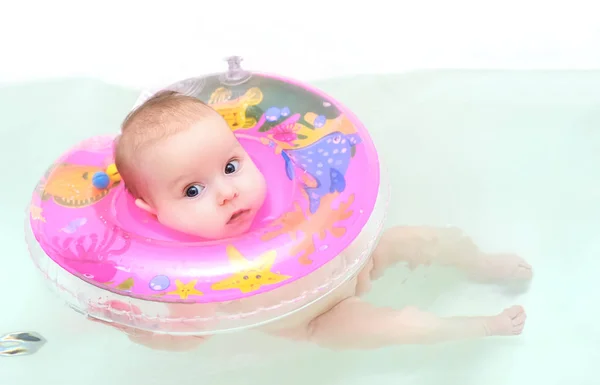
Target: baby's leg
447,246
354,324
156,341
166,342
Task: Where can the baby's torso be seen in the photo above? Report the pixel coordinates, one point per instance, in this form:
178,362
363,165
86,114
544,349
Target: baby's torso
289,309
303,300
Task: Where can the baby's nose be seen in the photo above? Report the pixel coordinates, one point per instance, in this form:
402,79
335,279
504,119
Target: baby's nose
227,194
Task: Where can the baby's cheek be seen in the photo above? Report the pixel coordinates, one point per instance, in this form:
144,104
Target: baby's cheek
256,184
205,215
175,216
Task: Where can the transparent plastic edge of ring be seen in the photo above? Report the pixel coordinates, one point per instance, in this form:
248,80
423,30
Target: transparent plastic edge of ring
211,318
94,302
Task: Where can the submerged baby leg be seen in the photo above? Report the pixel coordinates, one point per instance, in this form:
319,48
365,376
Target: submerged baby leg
447,246
355,324
158,341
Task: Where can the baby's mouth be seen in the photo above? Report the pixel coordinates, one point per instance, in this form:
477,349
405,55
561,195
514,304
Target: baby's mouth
237,215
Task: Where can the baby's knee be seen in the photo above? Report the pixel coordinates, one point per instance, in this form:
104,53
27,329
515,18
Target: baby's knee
363,280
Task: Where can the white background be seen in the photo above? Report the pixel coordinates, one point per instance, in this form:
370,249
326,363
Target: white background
142,43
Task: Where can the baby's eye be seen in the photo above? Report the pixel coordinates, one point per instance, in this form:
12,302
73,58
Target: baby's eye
232,166
193,191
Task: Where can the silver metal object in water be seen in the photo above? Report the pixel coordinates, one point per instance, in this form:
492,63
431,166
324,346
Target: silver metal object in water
20,344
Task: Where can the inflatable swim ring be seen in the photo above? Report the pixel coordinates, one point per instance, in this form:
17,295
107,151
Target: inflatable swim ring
115,262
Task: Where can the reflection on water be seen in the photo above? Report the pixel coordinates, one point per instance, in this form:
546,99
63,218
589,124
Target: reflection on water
511,157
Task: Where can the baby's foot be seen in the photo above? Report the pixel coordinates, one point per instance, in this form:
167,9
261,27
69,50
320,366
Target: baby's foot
508,323
504,267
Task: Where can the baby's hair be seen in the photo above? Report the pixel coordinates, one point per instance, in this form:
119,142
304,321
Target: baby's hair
164,114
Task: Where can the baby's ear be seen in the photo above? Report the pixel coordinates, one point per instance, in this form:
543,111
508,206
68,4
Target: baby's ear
144,206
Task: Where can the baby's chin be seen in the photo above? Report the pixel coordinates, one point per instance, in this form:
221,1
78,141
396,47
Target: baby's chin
223,232
229,233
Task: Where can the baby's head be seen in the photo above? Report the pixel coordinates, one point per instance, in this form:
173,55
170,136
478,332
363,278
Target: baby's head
182,163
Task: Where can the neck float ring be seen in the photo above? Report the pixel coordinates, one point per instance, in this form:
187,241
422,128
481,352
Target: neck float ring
323,215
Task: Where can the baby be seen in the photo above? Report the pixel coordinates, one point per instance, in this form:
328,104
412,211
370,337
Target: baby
182,163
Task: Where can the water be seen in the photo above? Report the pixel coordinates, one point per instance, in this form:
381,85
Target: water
511,157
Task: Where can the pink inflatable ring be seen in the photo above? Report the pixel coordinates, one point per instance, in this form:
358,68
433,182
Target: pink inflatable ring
322,217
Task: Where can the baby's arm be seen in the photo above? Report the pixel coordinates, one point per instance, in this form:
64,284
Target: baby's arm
355,324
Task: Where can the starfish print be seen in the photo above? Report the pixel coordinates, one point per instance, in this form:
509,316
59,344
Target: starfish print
250,275
184,290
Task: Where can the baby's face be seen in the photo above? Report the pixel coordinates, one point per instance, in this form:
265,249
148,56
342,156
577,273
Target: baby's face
202,182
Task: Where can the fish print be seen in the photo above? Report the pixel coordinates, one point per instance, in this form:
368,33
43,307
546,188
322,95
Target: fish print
70,185
325,161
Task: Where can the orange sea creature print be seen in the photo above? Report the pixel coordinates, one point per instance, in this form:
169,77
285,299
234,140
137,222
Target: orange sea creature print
324,220
70,185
